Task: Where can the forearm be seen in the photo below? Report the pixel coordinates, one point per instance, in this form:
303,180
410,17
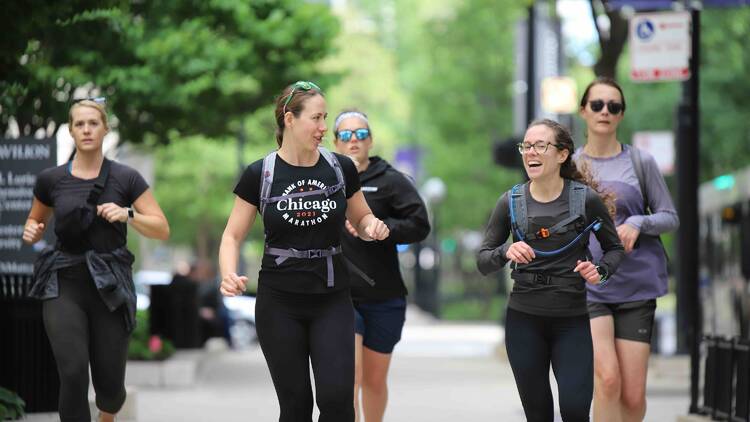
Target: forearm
151,226
229,254
408,230
491,259
655,224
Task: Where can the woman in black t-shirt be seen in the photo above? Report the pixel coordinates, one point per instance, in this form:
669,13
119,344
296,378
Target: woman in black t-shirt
303,309
547,320
86,279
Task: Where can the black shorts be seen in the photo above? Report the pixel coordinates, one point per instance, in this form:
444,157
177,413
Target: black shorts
633,320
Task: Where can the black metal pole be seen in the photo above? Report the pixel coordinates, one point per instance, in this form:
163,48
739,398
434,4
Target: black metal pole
688,145
530,66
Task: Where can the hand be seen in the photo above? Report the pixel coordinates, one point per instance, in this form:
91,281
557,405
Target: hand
352,231
588,271
32,232
628,235
112,212
233,285
377,230
520,253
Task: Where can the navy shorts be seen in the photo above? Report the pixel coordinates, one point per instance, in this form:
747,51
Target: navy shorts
633,320
380,323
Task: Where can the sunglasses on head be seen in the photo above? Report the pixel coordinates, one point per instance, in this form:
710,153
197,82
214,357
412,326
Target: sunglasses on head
301,85
612,106
98,100
346,135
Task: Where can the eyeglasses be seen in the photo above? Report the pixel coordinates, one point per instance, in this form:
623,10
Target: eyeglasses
98,100
346,135
303,85
598,105
540,147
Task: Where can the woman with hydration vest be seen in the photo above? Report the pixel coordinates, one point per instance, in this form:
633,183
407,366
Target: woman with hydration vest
304,316
550,218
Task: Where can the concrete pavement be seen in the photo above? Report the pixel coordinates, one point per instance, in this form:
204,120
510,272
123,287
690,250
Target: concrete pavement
440,372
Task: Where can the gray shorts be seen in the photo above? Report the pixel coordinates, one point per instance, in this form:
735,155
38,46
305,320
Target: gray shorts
633,320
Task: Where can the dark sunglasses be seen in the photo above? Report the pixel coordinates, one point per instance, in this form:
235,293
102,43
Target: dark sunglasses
346,135
98,100
304,86
612,106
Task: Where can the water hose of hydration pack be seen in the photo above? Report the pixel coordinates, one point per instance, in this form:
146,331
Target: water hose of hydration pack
595,225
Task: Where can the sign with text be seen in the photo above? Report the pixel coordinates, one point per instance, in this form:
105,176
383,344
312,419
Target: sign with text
21,160
660,145
660,46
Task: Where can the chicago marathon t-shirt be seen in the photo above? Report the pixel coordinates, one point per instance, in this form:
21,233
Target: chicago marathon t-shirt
308,222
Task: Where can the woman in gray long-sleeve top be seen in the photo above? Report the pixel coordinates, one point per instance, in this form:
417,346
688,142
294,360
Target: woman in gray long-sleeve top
622,315
547,322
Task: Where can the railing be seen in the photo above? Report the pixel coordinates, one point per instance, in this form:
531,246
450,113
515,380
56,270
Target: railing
726,392
26,362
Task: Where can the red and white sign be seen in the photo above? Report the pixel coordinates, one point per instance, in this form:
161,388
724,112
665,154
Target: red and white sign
660,46
660,145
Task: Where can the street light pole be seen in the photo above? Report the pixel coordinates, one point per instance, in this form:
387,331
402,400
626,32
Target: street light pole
688,166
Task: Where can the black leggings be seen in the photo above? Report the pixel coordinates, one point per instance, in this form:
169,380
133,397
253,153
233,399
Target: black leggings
295,330
533,342
82,330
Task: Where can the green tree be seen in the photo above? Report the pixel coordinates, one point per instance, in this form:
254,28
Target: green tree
196,67
457,62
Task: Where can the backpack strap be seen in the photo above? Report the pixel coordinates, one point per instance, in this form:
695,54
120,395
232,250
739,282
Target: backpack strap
266,179
99,184
518,211
266,183
333,162
577,199
637,160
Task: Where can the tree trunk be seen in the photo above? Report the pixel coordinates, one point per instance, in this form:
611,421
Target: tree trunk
612,44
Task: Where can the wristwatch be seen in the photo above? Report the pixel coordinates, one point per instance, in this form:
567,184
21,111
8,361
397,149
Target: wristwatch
131,214
603,275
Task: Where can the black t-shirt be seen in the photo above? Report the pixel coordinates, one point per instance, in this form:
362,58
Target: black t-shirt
55,187
552,299
309,222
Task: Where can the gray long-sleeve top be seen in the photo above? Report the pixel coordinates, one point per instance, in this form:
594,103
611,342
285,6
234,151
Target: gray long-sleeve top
566,299
643,273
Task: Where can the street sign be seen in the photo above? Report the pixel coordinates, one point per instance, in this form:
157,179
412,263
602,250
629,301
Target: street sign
660,145
670,4
660,46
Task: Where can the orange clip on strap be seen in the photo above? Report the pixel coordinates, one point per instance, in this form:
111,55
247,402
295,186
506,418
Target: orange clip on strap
543,233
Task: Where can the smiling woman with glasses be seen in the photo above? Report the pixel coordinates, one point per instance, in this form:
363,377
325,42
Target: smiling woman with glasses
378,290
549,220
622,315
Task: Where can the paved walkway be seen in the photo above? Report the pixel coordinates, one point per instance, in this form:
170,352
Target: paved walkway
440,372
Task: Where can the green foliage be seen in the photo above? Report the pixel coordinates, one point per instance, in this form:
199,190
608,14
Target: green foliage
457,62
195,67
474,309
725,105
11,405
139,347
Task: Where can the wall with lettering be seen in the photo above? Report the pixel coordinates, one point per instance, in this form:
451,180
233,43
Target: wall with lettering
20,161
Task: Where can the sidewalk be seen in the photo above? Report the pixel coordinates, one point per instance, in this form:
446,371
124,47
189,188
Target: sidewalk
440,372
